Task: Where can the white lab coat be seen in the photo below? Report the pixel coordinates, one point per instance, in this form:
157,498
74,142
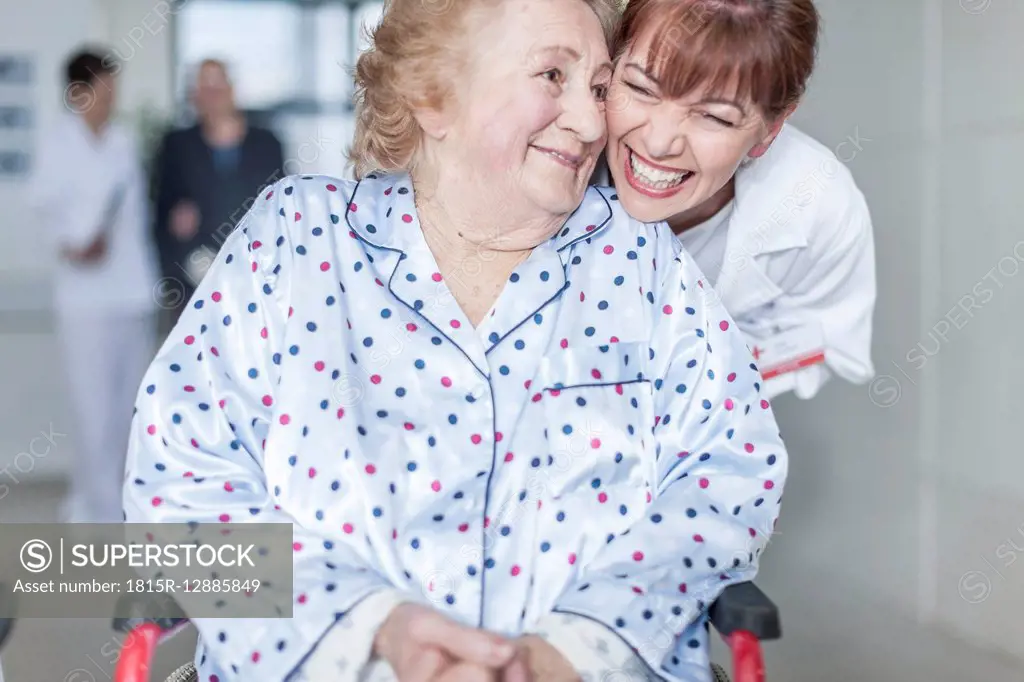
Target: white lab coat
103,313
798,269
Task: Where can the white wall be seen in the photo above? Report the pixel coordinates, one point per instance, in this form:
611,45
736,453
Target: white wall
911,491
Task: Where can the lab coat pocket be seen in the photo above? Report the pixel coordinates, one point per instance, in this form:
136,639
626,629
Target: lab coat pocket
597,407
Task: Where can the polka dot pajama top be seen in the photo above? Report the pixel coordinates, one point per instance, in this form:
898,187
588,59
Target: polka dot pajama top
593,460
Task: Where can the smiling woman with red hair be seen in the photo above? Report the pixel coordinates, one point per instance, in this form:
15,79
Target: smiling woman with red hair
698,137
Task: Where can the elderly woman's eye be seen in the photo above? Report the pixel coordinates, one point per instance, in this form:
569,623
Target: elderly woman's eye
601,92
553,75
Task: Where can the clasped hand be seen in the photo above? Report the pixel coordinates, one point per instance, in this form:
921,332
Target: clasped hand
421,645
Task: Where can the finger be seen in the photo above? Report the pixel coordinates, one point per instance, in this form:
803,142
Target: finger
467,644
468,672
518,669
423,666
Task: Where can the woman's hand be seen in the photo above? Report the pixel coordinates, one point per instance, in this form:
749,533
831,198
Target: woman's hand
545,663
421,645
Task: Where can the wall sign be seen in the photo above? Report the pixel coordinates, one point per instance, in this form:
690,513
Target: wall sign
17,115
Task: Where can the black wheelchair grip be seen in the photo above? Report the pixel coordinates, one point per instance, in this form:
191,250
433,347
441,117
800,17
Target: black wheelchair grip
743,606
141,608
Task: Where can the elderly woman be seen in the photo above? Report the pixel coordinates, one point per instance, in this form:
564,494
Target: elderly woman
513,434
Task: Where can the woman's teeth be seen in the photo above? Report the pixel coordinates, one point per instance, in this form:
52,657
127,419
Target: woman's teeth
655,177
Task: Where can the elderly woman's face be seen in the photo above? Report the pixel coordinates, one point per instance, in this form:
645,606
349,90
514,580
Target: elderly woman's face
529,119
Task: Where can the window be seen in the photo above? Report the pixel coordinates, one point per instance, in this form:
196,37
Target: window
291,62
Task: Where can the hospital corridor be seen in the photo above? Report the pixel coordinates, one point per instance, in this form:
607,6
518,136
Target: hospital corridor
895,554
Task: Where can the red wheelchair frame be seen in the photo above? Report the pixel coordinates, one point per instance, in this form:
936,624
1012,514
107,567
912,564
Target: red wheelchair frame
743,615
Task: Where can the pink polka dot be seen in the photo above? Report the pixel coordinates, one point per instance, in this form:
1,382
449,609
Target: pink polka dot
638,556
498,436
509,456
190,389
456,324
348,528
215,296
753,533
698,538
749,447
731,377
591,228
596,373
156,501
436,277
325,266
151,429
768,485
263,333
536,397
298,216
256,244
723,325
319,365
463,527
704,483
285,419
409,426
224,518
312,472
228,486
667,309
602,498
564,343
353,207
189,340
411,327
370,469
332,188
572,558
255,657
609,249
446,382
406,218
296,546
595,443
764,404
515,571
475,439
729,404
341,412
375,379
682,587
436,486
302,599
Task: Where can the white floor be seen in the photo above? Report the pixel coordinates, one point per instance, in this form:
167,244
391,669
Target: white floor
830,634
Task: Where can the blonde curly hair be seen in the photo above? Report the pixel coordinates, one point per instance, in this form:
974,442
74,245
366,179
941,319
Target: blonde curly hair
411,65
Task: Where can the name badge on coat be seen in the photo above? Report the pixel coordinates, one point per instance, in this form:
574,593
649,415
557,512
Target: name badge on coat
789,350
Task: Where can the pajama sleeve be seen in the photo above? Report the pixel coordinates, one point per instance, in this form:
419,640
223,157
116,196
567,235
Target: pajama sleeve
719,469
203,434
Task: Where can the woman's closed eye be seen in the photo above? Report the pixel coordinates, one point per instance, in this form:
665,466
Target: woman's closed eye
639,89
718,121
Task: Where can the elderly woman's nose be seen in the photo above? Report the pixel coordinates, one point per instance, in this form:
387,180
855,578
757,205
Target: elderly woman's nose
583,115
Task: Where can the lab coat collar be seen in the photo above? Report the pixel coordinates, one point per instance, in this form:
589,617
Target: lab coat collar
767,218
382,213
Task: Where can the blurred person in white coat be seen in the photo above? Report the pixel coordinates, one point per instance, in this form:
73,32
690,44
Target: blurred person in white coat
89,191
698,136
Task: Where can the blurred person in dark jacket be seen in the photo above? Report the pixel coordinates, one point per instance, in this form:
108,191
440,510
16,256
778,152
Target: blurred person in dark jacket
208,176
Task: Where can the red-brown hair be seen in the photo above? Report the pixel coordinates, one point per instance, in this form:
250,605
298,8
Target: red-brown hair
768,46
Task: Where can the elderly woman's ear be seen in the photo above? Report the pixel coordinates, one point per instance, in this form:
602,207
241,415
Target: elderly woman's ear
434,122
